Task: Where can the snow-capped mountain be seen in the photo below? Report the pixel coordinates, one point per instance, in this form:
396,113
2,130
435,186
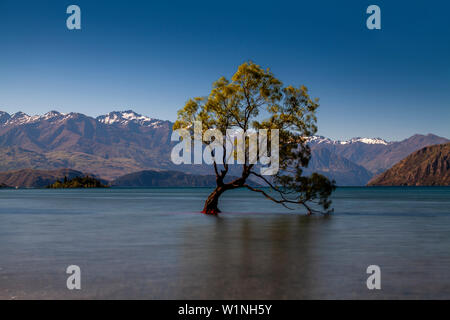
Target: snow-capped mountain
20,118
112,118
109,145
127,117
324,140
366,141
52,115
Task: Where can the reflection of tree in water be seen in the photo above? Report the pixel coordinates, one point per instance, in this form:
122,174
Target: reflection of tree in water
250,258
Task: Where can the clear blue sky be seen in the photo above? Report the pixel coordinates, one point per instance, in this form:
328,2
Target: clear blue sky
153,56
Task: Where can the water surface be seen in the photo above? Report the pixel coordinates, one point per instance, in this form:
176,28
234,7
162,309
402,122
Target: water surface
153,244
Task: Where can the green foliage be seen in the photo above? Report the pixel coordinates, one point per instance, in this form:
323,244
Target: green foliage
77,182
255,99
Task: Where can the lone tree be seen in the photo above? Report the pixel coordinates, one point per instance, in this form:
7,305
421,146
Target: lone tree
254,99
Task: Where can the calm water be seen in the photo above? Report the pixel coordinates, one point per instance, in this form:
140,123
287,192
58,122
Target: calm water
152,243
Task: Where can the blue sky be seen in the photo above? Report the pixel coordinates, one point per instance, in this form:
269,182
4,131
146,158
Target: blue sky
153,56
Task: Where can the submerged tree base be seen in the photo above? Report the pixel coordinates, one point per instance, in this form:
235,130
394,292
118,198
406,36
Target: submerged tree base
211,204
213,212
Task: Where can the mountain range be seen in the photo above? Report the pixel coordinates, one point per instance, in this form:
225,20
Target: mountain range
124,142
356,161
110,145
430,166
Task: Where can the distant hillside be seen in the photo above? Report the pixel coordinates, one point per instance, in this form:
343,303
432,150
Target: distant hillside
168,178
29,178
429,166
397,151
16,158
152,178
376,155
340,169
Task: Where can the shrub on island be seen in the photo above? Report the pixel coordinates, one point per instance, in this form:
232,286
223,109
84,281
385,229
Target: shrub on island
77,182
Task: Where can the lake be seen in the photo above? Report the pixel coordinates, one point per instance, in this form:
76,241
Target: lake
154,244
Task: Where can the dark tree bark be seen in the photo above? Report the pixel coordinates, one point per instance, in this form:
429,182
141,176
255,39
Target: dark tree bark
211,203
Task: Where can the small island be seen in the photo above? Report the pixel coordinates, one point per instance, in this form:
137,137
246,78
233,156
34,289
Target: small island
77,182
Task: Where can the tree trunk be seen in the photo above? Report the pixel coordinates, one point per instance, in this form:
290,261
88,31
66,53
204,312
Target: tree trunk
211,204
